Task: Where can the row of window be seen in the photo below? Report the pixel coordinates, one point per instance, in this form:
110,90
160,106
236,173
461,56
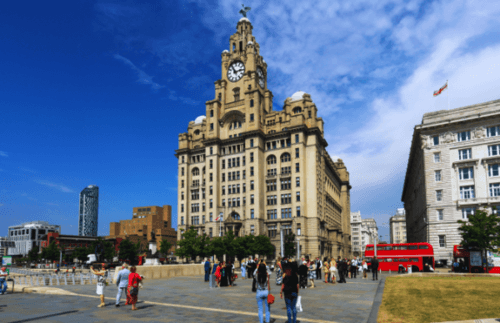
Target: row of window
285,199
467,192
465,135
464,154
468,172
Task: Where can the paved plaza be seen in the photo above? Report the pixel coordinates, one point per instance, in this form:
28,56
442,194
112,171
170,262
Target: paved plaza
189,299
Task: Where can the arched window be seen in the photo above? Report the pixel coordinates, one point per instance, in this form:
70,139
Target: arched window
235,216
285,158
297,110
271,160
196,171
234,47
251,103
236,93
197,132
220,96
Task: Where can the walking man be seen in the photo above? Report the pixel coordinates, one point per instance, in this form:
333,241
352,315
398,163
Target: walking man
207,269
319,266
122,283
354,264
375,268
3,282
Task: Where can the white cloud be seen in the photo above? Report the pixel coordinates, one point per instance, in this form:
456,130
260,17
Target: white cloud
3,154
59,187
143,78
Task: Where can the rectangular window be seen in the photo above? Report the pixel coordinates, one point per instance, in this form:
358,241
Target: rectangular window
442,241
493,170
224,190
298,196
251,185
466,173
493,131
182,207
223,165
439,195
495,189
243,161
211,203
463,136
309,114
467,192
223,179
296,152
210,232
251,117
224,202
493,150
251,214
182,220
296,138
203,219
211,150
211,190
437,157
211,217
211,178
297,167
297,182
211,163
251,199
298,211
464,154
182,171
182,159
251,171
437,175
211,126
251,154
440,215
468,211
252,230
435,140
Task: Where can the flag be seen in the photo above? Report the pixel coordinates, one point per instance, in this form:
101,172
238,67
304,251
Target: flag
219,217
444,87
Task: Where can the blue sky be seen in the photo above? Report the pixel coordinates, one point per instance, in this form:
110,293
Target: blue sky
96,92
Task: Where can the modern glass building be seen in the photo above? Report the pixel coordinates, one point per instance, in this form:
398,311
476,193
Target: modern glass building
89,206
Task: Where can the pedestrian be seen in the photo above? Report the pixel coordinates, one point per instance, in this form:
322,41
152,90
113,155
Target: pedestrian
353,268
133,287
375,268
249,268
290,288
319,265
207,269
326,269
74,270
341,265
243,266
346,267
279,271
102,275
3,282
312,272
365,268
218,273
263,290
229,274
303,275
333,271
122,283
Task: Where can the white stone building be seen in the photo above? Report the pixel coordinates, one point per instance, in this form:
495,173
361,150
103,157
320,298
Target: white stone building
453,169
398,226
29,235
363,232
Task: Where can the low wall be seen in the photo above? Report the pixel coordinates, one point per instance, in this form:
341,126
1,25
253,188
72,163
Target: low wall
446,275
167,271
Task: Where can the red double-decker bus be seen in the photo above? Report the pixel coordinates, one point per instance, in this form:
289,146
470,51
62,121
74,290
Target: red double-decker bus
390,256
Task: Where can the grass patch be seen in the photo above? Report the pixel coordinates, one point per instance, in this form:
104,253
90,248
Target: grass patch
439,299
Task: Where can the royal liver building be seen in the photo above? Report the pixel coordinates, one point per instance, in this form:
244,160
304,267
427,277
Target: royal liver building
261,171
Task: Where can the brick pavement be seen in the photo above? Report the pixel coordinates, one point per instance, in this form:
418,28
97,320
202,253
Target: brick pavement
189,299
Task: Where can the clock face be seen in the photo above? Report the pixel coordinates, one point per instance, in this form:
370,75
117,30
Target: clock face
235,71
260,74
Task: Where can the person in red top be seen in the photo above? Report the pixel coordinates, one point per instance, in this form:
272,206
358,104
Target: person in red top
133,287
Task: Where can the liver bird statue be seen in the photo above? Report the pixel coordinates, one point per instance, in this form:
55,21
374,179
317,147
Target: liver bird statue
244,10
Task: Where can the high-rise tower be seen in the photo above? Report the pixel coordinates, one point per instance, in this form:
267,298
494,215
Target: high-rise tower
89,206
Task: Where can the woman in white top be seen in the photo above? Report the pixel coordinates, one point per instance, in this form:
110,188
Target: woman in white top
102,275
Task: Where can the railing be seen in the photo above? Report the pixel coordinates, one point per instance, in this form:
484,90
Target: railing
478,200
235,104
30,278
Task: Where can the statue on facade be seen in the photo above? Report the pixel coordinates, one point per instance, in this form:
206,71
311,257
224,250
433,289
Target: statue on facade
153,236
479,132
423,138
244,10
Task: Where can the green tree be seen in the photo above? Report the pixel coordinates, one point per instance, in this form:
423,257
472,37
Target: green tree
51,252
202,245
128,250
216,247
33,254
262,245
165,246
80,253
243,246
229,244
290,245
482,232
187,244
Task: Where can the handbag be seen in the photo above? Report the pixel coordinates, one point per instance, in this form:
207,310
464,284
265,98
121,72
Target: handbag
270,299
134,291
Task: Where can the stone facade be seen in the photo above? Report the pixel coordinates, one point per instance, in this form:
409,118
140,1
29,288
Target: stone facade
363,232
452,170
29,235
398,227
264,171
146,219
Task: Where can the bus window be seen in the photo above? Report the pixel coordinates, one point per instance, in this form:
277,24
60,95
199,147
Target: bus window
389,260
396,248
387,248
369,248
414,259
380,248
395,259
403,259
412,247
403,247
423,247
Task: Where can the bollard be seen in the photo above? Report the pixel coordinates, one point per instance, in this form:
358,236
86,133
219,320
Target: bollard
58,282
73,276
31,280
65,280
389,271
50,280
81,278
44,280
